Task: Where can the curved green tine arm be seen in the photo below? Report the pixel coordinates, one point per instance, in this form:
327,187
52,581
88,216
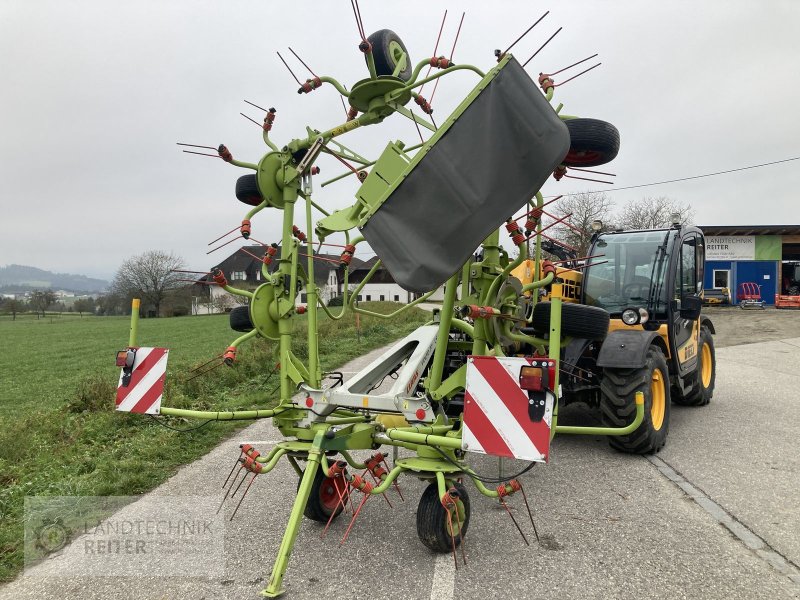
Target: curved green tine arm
269,142
238,341
257,209
495,286
237,291
244,165
339,87
412,81
539,343
442,73
269,465
533,285
352,461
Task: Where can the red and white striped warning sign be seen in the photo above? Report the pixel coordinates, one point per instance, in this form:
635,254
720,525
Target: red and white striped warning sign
497,420
146,386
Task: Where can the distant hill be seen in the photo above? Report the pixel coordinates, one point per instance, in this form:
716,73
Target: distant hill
23,278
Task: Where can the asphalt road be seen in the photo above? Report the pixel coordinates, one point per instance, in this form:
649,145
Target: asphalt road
716,514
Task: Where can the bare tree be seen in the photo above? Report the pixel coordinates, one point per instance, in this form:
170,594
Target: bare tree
83,305
149,276
13,306
583,209
654,213
41,299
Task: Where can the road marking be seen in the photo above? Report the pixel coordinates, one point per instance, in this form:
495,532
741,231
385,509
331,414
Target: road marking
738,529
444,577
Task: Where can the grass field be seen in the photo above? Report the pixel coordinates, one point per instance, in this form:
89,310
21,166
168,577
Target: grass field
59,434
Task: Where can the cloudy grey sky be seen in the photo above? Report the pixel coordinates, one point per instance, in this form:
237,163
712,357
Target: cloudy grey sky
95,94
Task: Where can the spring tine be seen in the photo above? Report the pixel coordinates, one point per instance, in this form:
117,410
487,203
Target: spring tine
256,105
195,146
203,154
576,76
340,501
503,502
530,514
542,47
243,495
231,473
304,63
572,65
225,497
205,363
219,364
252,120
451,530
225,244
592,171
223,235
588,179
289,68
397,487
435,48
353,520
526,33
240,483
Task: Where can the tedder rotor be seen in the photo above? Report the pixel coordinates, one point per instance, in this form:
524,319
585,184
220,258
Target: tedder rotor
478,378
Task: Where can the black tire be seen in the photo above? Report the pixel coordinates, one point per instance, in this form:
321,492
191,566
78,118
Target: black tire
322,501
247,190
702,384
577,320
432,526
240,319
618,407
592,143
385,42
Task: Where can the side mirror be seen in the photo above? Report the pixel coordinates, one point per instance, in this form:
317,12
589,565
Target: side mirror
690,307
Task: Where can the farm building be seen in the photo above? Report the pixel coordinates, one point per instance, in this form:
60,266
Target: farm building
767,255
243,270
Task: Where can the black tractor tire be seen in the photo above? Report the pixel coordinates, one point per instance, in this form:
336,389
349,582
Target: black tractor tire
384,44
592,143
703,380
432,526
618,406
240,319
247,190
577,320
324,499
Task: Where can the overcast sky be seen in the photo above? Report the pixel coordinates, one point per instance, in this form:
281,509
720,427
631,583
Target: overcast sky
94,96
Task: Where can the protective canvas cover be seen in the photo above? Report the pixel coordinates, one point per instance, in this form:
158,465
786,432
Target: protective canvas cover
487,164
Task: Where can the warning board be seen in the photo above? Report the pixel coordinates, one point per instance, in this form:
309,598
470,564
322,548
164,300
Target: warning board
145,388
497,420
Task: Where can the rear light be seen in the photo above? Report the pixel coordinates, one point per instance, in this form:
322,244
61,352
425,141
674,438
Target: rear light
539,376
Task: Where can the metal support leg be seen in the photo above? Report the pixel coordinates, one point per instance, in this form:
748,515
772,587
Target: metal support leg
274,589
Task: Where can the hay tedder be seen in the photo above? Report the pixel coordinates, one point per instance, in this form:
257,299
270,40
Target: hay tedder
481,377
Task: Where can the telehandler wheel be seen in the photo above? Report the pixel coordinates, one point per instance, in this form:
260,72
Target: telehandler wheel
240,319
577,320
433,527
618,406
592,143
324,497
387,48
704,377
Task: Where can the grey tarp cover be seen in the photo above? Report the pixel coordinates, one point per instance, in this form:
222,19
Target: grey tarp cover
490,162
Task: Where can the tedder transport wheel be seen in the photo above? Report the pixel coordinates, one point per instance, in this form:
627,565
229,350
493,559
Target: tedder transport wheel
247,190
577,320
324,498
592,143
240,319
618,389
387,48
432,524
704,377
